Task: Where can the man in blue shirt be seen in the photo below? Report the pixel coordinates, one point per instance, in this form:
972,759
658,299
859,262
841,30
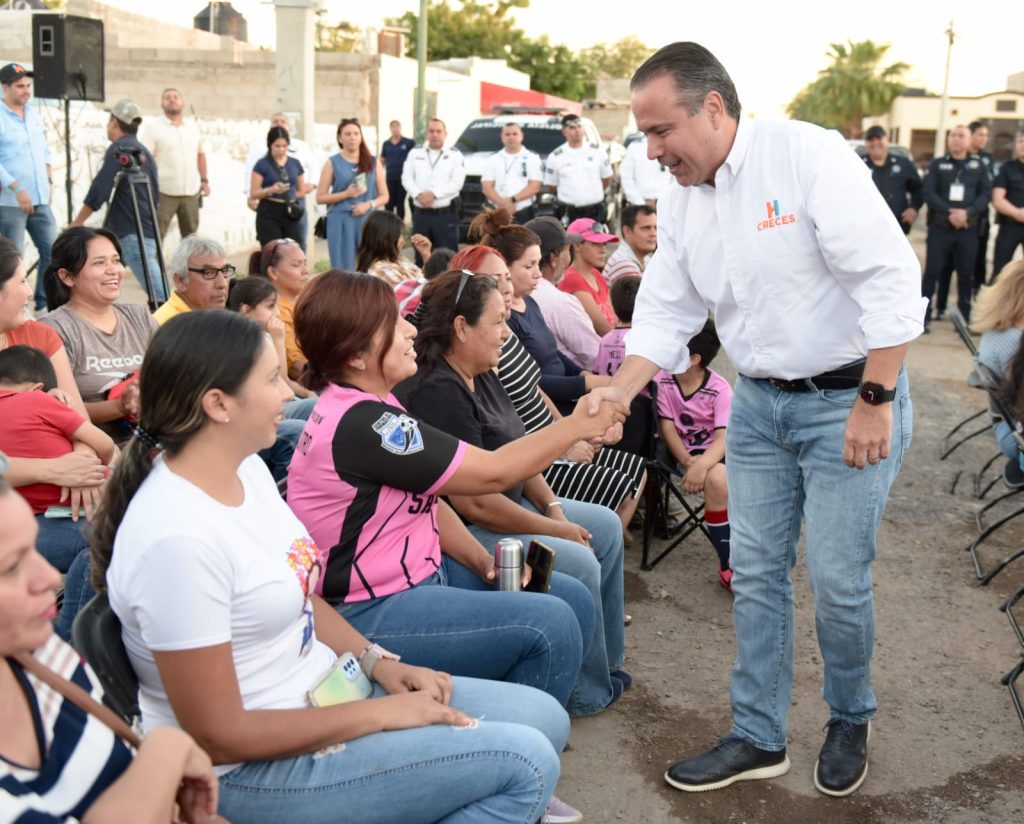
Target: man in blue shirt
394,152
125,153
25,174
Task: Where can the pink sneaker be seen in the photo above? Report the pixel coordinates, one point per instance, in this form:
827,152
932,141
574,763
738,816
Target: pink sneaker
725,579
558,812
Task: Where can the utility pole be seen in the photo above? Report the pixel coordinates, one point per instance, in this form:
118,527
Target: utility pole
420,114
940,132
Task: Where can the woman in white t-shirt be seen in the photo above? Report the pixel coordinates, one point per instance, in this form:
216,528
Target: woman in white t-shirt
215,594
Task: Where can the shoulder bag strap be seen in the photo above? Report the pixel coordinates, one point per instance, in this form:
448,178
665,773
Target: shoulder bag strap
79,697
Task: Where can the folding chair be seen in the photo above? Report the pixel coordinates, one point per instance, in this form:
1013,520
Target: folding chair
1010,682
1007,607
972,380
96,635
658,492
992,382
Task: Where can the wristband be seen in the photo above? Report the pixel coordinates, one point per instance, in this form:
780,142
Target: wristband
371,656
553,504
203,180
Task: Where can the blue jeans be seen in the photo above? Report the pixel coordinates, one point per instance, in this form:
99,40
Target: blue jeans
42,228
60,540
456,623
784,459
131,257
502,772
78,592
599,568
278,456
299,409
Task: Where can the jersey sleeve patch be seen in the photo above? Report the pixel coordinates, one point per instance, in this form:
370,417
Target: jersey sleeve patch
399,434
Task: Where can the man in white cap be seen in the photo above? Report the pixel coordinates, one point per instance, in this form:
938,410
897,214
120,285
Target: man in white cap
127,154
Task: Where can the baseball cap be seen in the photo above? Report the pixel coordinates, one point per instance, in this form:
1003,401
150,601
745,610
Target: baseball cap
873,132
127,111
551,233
12,72
589,229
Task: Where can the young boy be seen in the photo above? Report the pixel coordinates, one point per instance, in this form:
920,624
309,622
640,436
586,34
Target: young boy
612,350
37,425
693,410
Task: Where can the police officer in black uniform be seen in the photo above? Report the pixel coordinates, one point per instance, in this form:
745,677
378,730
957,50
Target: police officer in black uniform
957,190
895,177
979,140
1008,199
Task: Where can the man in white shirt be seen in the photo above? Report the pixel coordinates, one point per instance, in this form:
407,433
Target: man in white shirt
642,179
778,230
578,174
433,177
177,147
639,240
298,149
511,178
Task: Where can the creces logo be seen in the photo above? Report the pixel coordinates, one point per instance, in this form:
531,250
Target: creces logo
775,216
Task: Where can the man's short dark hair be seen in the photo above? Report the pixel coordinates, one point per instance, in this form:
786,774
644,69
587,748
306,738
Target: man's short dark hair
974,125
633,211
23,364
127,128
570,120
437,120
705,344
623,297
696,72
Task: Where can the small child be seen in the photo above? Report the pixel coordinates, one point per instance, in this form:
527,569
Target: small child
37,425
693,409
612,350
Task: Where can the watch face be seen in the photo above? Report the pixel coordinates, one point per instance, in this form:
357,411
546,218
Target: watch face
874,393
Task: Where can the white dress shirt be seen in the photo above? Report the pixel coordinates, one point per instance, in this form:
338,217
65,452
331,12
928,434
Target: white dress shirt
440,171
511,173
793,250
642,179
578,174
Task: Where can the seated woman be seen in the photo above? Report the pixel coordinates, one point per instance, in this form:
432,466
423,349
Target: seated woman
999,316
283,263
275,181
367,467
105,340
584,279
458,346
230,592
380,250
58,762
606,476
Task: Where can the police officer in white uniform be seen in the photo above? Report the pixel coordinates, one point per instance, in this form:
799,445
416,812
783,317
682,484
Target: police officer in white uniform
433,177
578,174
642,178
511,178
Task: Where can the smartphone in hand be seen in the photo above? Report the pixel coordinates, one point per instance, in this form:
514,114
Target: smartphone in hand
541,559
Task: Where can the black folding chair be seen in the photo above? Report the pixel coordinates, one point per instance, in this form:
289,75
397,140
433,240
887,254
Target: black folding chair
1007,607
96,635
992,382
658,494
1010,682
973,381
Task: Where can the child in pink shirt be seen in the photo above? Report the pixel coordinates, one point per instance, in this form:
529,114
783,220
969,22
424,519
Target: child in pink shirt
693,409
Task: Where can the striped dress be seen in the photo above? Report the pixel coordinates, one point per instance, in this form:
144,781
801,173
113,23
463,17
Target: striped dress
81,755
607,481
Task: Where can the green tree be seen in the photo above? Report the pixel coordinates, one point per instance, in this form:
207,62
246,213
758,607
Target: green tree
853,86
619,59
344,37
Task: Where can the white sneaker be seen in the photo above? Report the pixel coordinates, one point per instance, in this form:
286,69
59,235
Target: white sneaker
558,812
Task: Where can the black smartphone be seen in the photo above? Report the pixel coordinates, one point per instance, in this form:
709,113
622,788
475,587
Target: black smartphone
541,559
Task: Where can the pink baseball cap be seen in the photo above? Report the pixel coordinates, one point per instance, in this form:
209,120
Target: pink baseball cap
589,229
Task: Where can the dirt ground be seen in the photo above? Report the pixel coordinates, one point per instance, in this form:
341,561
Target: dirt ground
946,743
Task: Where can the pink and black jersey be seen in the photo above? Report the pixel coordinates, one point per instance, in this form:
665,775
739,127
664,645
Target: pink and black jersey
611,353
696,416
364,480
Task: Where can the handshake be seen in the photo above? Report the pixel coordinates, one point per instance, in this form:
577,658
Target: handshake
600,414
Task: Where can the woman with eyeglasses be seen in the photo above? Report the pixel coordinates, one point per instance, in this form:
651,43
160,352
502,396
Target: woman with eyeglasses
276,179
105,339
222,621
352,183
283,263
58,762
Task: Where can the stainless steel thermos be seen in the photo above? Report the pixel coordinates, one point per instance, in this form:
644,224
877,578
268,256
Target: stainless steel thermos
508,564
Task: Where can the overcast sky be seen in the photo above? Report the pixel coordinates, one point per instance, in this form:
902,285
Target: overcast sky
771,48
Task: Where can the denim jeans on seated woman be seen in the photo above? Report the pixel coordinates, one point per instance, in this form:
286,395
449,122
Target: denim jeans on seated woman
456,623
504,770
60,540
599,568
78,592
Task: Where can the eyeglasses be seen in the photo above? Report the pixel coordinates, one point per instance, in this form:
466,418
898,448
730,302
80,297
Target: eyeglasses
209,273
466,275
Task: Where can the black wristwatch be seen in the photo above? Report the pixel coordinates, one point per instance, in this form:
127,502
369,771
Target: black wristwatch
875,394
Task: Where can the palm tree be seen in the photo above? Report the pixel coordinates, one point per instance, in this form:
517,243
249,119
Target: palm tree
852,87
